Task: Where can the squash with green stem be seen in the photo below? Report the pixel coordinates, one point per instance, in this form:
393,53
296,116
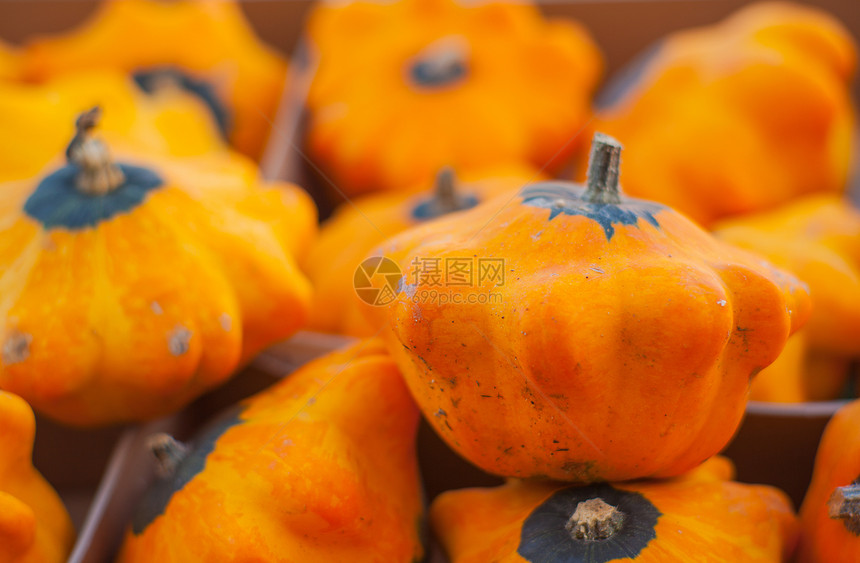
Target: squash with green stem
573,359
131,286
320,467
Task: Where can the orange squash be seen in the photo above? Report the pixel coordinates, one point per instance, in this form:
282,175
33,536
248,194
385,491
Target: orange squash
348,237
38,120
576,359
830,514
34,524
696,518
206,47
404,88
10,62
741,116
129,287
818,239
320,467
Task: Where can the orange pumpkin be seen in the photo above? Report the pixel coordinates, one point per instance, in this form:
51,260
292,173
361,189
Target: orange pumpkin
699,518
741,116
348,237
38,120
206,47
405,88
129,287
34,524
576,359
830,514
320,467
818,239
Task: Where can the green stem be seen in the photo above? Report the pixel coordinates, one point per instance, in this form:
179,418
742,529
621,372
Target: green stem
603,170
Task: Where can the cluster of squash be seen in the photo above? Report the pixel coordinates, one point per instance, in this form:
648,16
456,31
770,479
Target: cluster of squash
599,367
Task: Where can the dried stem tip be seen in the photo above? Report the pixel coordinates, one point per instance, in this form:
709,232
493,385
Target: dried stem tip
98,174
603,170
844,504
594,520
168,453
447,200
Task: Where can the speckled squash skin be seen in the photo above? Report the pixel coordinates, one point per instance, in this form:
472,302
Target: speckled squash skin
355,229
320,467
697,518
38,120
619,345
209,42
818,239
34,524
741,116
125,305
405,88
837,464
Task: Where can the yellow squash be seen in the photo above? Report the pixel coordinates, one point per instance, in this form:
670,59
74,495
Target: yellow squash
10,62
204,46
129,287
38,120
319,468
34,524
404,88
741,116
701,517
818,239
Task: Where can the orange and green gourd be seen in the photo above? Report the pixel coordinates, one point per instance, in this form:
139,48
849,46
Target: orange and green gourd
349,236
818,239
130,286
34,524
616,340
696,518
830,513
38,120
206,47
738,117
321,467
405,88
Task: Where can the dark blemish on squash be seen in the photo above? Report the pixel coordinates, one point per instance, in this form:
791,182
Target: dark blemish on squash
440,412
423,361
178,340
487,396
455,402
16,349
